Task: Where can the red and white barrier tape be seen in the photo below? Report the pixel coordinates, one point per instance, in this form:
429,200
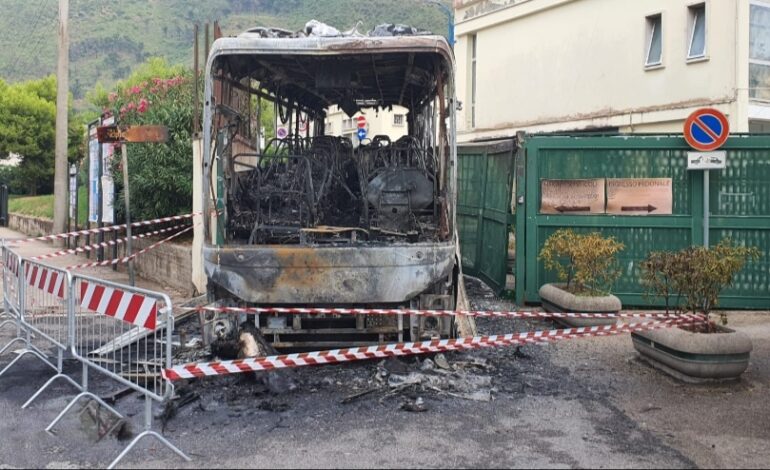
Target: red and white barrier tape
112,228
428,313
192,371
126,259
135,309
105,244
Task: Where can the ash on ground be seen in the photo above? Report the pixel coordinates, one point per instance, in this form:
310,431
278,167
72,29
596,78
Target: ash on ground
411,384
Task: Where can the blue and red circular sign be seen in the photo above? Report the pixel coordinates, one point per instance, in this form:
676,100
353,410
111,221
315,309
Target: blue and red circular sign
706,129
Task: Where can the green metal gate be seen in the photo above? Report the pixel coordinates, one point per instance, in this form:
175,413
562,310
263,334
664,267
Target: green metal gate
485,178
739,200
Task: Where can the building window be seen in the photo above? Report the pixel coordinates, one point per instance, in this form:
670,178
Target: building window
398,120
697,25
654,41
474,48
759,52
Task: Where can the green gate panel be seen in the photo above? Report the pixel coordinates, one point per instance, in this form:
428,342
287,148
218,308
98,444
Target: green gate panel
739,206
485,176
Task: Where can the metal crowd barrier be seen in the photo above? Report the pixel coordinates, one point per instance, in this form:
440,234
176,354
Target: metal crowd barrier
120,332
45,316
11,299
123,333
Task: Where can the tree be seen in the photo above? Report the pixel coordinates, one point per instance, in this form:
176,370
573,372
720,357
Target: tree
27,128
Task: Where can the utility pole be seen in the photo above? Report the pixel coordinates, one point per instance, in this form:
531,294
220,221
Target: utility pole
62,96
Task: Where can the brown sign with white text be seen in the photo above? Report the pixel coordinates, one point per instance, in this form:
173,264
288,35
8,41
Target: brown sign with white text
572,196
640,196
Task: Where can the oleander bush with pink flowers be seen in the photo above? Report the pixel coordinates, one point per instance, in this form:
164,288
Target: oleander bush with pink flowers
160,175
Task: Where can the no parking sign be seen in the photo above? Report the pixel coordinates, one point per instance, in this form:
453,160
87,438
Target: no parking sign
706,129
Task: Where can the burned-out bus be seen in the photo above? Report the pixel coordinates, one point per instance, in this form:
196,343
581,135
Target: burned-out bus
310,219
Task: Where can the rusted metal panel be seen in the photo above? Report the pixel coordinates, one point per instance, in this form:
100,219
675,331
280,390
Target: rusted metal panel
137,134
329,275
640,196
576,196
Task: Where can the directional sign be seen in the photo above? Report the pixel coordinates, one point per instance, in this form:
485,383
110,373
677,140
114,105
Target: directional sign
361,120
706,130
361,134
572,197
135,134
640,196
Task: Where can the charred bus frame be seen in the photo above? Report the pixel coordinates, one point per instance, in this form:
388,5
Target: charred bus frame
310,220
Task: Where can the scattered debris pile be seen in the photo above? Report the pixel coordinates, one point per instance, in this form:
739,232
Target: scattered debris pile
315,28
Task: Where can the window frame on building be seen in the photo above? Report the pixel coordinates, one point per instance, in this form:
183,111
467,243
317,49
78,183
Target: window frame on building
473,52
755,61
398,120
695,12
653,23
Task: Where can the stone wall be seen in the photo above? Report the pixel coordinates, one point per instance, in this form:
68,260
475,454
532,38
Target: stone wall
169,265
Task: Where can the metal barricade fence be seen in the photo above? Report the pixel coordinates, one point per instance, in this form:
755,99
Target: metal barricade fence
44,299
123,333
11,299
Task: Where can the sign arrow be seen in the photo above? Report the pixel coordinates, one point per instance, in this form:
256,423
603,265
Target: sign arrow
573,209
647,208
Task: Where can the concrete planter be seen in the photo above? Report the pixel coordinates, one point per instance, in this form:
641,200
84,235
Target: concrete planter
698,356
557,300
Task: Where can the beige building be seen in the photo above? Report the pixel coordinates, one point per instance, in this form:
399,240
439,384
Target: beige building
616,65
384,122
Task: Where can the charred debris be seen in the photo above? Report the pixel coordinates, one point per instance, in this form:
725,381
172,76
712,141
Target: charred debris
309,188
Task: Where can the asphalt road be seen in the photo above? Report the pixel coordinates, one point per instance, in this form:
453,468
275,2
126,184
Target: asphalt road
583,403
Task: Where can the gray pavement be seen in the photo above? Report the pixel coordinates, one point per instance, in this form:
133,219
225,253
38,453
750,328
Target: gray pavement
584,403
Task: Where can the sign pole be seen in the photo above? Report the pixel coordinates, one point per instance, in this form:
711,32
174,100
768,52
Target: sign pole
115,134
706,209
124,162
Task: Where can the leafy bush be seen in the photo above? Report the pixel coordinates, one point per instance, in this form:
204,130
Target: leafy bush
694,276
160,175
586,262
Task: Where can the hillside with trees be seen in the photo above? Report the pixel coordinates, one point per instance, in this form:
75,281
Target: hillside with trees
108,39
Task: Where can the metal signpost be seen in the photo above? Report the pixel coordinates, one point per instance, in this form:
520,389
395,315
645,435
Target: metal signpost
73,212
706,130
136,134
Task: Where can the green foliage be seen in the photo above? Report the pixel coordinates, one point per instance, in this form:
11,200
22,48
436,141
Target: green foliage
694,276
28,128
35,206
108,39
160,175
586,262
42,206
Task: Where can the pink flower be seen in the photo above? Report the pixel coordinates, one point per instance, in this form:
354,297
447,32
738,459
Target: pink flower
112,97
154,90
131,106
143,104
123,110
135,90
157,81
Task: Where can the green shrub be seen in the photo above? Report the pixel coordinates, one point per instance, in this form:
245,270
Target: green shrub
160,175
694,277
585,262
